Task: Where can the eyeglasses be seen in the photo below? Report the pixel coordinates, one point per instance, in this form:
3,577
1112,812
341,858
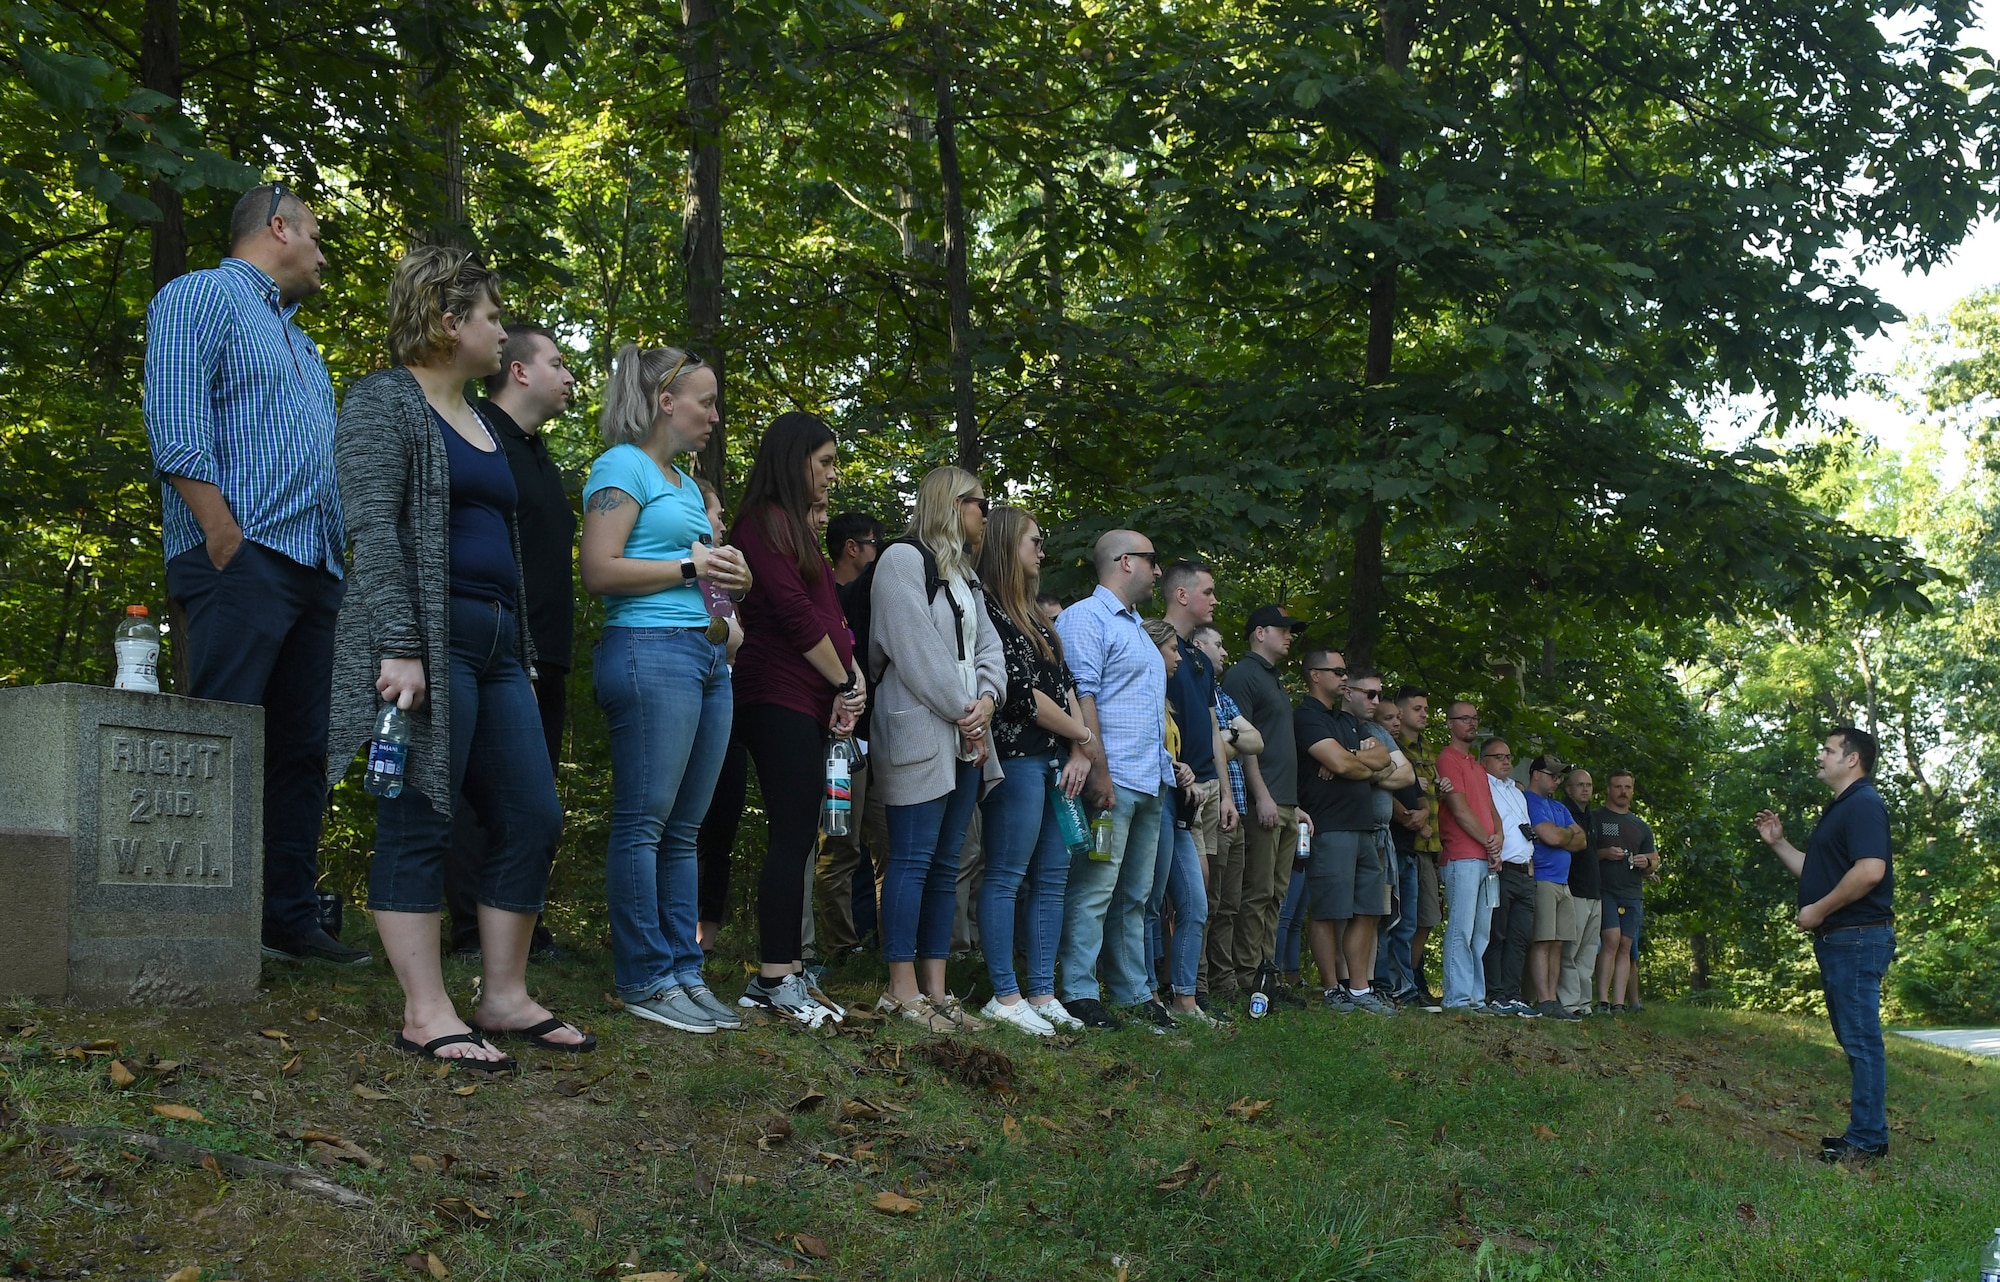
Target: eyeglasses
1496,756
1035,539
277,198
1152,557
1338,672
1463,716
985,505
866,543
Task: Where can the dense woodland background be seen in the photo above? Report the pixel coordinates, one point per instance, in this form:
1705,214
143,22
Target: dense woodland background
1420,319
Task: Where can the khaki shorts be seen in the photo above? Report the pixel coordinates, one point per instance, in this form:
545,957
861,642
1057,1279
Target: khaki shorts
1555,913
1430,911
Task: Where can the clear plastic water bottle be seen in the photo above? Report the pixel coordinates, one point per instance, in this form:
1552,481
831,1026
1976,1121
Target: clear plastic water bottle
137,643
1100,838
1989,1264
388,752
1070,821
837,812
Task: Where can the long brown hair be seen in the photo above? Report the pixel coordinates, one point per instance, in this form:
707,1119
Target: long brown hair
775,494
1011,581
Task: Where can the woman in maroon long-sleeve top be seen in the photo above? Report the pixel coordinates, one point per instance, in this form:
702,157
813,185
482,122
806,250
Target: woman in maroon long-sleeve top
795,679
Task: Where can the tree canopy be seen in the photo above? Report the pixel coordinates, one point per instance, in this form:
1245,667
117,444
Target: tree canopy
1411,316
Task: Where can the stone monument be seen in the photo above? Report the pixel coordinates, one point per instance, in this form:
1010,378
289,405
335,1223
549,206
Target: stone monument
131,847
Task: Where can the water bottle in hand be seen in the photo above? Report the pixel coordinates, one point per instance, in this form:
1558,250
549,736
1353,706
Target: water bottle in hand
388,752
1070,821
137,643
837,812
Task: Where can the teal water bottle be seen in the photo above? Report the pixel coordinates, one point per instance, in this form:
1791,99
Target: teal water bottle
1070,822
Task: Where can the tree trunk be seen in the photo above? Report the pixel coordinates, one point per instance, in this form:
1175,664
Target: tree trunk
958,290
701,218
1698,971
1365,594
160,71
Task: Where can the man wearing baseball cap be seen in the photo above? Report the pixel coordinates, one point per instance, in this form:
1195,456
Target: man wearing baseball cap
1271,778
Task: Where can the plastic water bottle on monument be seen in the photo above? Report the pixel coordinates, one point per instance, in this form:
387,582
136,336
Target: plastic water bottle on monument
388,752
837,814
137,643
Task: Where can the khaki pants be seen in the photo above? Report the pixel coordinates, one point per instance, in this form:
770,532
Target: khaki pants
1267,874
1224,853
833,902
1579,959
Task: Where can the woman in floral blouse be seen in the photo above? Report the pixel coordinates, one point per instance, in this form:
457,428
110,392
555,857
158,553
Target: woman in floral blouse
1040,739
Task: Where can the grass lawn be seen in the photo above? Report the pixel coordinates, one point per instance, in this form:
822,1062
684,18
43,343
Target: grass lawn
1678,1143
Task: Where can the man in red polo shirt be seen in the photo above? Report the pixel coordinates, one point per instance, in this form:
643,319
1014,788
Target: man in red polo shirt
1469,830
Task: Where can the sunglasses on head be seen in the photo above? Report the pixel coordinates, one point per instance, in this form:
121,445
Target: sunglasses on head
277,198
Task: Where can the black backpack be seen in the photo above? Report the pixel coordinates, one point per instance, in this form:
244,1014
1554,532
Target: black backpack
856,603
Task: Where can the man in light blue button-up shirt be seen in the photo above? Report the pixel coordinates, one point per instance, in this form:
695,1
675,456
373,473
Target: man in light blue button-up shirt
240,414
1121,681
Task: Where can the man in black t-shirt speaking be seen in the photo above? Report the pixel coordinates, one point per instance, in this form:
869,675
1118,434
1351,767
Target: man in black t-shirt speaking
1846,899
1625,854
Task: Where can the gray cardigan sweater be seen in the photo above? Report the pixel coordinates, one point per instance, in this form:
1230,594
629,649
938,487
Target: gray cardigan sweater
913,757
395,491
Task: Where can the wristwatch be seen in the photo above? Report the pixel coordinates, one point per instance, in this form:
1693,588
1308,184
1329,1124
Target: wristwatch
847,686
688,572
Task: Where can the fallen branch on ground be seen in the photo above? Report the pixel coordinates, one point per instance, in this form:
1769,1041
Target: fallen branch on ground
178,1153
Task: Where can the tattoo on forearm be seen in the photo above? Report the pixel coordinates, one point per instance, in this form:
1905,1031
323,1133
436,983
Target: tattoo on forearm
607,499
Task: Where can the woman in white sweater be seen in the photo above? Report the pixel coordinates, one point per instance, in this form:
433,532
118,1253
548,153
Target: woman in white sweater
938,675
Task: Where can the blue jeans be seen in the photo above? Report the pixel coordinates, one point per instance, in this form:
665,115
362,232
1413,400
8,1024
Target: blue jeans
1027,867
920,883
1292,926
1392,952
499,762
1851,965
666,700
260,630
1104,907
1467,921
1176,878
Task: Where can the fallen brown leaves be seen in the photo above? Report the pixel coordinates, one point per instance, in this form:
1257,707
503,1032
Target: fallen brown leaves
179,1112
1180,1177
890,1202
1247,1109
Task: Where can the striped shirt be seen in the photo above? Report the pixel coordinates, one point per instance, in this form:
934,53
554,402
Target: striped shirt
237,395
1117,664
1226,711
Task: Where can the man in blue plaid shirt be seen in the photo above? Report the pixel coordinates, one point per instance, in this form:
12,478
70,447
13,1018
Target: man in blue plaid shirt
240,414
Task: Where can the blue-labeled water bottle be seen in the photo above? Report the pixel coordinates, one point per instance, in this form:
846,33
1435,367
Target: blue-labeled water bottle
837,810
388,752
1989,1264
1070,820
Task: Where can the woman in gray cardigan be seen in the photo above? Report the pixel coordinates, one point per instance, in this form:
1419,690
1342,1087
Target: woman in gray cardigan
938,674
431,624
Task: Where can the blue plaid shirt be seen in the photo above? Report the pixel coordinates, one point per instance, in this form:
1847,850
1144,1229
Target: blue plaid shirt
1117,664
1226,711
237,395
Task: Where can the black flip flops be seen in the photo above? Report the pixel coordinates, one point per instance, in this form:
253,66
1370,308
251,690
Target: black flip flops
538,1035
429,1050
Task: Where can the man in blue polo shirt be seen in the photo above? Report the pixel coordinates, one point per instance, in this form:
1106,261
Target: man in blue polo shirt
239,412
1846,899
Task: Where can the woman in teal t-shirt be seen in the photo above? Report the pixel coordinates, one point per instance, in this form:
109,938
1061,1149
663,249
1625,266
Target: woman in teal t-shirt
661,674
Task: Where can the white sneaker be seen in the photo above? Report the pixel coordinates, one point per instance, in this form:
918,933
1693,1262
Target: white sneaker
1020,1015
1056,1015
787,997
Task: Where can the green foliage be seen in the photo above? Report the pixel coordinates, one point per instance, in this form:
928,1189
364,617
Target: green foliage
1572,231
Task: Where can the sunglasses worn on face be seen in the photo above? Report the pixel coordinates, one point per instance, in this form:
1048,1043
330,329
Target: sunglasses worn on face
1338,672
1369,694
985,505
1152,557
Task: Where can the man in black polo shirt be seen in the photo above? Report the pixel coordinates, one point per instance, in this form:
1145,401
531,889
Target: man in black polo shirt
1846,888
1271,780
1579,960
1345,880
532,387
